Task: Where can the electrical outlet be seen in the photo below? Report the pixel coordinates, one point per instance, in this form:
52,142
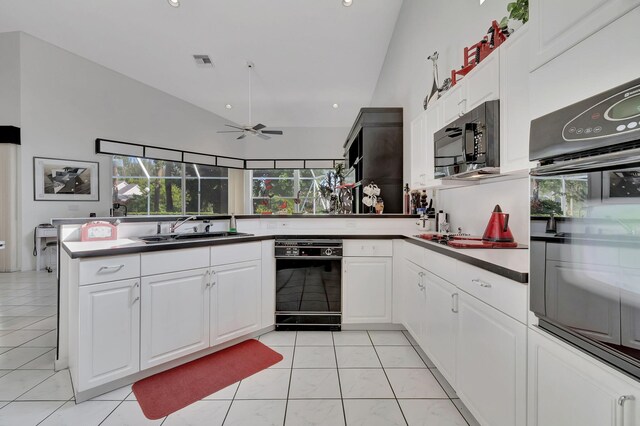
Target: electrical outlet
271,225
351,224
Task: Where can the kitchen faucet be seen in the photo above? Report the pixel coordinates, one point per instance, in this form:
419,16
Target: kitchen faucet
175,225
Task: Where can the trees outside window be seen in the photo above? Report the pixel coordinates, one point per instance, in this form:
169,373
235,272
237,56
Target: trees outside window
158,187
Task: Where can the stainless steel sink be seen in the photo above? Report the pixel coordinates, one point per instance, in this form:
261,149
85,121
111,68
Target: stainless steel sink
168,238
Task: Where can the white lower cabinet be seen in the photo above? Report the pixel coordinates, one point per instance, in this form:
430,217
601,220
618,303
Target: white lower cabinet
235,300
174,316
477,347
441,324
568,388
414,301
367,290
491,363
109,332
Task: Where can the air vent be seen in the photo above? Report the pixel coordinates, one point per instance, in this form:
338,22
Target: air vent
203,61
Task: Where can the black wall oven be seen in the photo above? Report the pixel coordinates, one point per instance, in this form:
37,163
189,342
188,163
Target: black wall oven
308,284
585,274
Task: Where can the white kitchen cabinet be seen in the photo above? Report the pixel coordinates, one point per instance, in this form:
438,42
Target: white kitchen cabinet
414,301
174,316
109,332
491,363
569,388
515,118
559,25
483,83
441,324
419,151
367,290
452,102
235,300
433,123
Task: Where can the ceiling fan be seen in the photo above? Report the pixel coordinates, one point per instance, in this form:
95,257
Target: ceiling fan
256,130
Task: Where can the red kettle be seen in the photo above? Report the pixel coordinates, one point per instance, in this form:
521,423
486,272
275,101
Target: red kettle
498,227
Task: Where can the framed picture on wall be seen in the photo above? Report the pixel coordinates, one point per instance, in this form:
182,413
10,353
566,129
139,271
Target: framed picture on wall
55,179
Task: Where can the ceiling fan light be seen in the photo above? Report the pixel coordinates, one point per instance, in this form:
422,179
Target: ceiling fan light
347,3
174,3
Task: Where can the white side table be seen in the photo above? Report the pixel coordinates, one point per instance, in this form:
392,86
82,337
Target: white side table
43,234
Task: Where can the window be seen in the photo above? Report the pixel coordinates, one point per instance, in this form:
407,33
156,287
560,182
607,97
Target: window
157,187
288,190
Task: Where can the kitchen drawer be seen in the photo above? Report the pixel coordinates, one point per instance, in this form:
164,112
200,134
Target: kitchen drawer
415,254
367,248
161,262
443,266
502,293
110,268
235,253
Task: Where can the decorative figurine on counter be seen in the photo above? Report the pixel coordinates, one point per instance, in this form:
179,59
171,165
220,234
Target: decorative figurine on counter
372,192
346,198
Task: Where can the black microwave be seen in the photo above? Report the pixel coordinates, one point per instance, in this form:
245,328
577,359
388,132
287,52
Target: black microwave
469,147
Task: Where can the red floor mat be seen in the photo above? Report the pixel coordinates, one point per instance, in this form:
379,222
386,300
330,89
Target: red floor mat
171,390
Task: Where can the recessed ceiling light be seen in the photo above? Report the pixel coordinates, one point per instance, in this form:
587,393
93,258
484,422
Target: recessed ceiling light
481,1
335,106
228,106
347,3
174,3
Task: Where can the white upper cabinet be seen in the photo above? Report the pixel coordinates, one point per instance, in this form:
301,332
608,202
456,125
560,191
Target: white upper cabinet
559,25
452,102
422,148
419,151
515,118
483,83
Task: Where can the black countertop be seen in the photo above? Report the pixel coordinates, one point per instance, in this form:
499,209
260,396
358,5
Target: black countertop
458,254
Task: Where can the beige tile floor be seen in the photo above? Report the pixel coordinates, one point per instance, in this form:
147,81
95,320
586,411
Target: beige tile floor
350,377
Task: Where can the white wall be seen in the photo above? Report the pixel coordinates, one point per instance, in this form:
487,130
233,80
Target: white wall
10,79
300,143
63,102
423,27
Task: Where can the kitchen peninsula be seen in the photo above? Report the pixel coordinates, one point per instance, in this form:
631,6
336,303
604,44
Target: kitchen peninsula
121,300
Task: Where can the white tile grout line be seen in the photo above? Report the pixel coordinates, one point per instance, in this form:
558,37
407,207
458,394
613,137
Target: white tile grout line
25,287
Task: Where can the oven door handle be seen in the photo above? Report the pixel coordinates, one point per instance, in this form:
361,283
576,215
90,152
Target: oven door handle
625,159
310,257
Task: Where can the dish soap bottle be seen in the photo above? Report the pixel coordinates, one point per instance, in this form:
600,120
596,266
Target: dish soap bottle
232,223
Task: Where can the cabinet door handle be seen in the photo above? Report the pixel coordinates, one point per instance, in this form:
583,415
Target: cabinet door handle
110,269
135,300
207,280
621,401
213,280
482,283
454,303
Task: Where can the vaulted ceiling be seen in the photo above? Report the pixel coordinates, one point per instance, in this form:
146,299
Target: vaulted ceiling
308,54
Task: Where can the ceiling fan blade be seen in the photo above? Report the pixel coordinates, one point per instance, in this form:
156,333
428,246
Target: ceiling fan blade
259,126
229,131
272,132
235,127
261,136
242,136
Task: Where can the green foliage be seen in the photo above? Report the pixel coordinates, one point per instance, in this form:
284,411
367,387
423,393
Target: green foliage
519,10
545,208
